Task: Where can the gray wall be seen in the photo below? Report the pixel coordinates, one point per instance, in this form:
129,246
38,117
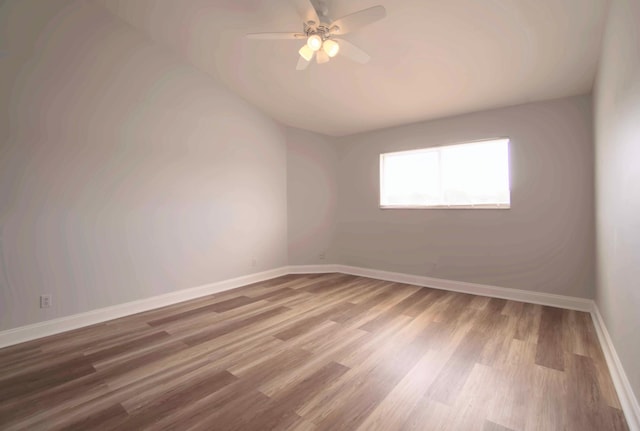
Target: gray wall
311,197
617,120
124,173
544,243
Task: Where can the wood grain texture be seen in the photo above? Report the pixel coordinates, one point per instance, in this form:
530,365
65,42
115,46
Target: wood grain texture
318,352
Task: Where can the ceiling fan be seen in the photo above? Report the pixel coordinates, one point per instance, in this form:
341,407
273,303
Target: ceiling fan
320,33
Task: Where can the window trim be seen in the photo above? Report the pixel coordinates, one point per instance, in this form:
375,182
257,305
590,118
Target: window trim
445,207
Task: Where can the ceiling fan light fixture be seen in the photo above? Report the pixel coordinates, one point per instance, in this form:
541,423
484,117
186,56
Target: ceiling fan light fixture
314,42
306,52
331,47
322,35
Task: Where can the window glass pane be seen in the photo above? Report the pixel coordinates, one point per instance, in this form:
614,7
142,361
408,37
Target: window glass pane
411,178
476,174
457,175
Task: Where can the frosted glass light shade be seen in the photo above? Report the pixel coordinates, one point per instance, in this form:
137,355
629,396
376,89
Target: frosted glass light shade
314,42
306,52
331,47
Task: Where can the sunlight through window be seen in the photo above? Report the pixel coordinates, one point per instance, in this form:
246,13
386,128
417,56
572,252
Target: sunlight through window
474,175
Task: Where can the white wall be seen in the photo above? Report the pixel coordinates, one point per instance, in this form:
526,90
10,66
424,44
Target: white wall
124,173
617,137
311,196
544,243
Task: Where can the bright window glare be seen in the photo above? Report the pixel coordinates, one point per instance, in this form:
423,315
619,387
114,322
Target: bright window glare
466,175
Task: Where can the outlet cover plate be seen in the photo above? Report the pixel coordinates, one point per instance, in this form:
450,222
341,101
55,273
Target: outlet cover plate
45,301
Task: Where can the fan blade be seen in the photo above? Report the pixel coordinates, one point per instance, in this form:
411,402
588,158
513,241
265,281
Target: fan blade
351,51
274,36
307,12
354,21
302,63
321,57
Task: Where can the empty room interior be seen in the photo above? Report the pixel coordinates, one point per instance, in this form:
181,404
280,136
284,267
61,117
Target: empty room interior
320,215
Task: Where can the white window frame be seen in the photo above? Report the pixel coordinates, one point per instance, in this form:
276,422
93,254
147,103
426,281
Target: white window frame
500,206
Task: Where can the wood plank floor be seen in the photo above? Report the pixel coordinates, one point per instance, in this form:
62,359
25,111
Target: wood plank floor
318,352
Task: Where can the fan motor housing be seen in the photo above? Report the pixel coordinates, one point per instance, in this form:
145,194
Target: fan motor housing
322,30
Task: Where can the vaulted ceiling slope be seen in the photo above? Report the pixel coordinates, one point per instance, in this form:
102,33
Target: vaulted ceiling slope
430,58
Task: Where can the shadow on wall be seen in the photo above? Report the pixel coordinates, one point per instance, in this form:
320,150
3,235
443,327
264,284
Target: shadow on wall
125,173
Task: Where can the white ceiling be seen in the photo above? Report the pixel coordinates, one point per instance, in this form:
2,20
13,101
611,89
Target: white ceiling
430,58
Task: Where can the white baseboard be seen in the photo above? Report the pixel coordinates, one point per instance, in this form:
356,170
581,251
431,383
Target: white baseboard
561,301
627,398
75,321
313,269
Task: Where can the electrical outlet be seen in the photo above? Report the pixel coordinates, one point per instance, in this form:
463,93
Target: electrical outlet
45,301
322,256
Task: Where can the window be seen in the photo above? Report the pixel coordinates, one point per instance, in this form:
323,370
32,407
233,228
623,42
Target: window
474,175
